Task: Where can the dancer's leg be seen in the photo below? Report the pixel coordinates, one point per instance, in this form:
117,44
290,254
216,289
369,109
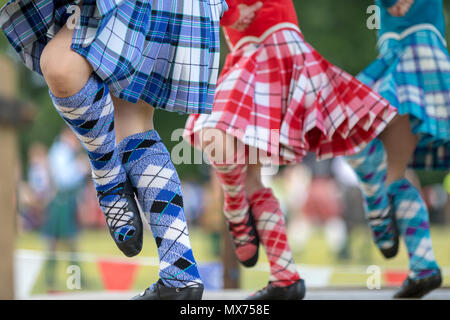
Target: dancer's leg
399,143
243,193
156,181
377,167
236,211
413,222
231,173
410,210
65,71
271,226
132,118
370,165
84,102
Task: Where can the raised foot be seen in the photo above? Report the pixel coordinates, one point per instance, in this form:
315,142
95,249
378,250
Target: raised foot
123,218
249,245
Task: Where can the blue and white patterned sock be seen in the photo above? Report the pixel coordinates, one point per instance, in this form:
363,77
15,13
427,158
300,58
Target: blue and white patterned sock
370,166
152,173
90,115
414,226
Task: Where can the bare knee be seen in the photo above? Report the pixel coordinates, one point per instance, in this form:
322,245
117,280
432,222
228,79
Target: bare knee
62,75
65,71
56,74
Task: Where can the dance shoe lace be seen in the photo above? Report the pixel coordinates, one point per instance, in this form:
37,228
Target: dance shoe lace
386,232
123,218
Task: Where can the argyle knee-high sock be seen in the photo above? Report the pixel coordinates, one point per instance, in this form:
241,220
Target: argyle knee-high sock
90,114
272,234
151,171
236,208
370,166
414,226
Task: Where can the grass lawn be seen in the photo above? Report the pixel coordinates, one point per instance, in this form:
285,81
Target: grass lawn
349,272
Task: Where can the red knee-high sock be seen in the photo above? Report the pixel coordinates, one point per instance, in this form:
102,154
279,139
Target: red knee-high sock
236,207
271,228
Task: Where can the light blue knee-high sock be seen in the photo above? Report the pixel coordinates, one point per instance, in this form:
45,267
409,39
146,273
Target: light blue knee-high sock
411,213
414,226
151,171
90,114
370,166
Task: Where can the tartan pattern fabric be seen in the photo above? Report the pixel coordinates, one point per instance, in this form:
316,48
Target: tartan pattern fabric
281,96
163,52
272,234
90,115
236,209
232,180
414,225
370,166
413,74
155,179
106,6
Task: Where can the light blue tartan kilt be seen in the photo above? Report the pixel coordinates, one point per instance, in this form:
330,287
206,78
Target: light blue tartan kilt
413,74
165,52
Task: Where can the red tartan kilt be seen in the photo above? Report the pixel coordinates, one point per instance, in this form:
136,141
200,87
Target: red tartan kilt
281,96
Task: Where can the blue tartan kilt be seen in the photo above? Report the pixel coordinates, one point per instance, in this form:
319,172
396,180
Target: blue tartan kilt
413,74
165,52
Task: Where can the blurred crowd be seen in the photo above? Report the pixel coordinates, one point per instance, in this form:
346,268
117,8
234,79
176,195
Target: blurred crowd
56,195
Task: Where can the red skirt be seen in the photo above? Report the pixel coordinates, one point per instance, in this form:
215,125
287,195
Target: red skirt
282,97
